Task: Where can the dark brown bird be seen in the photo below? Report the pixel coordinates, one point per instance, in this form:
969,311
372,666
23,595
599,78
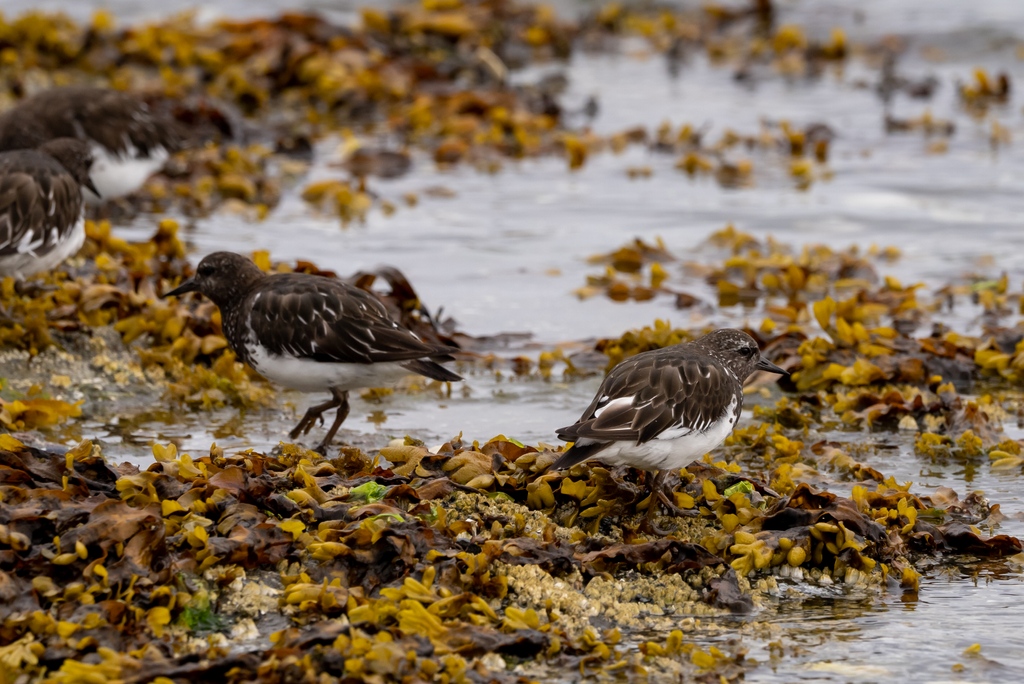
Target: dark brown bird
664,409
129,142
41,222
312,333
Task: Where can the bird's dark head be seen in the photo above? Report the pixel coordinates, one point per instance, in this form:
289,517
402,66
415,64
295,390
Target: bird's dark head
74,155
223,277
737,351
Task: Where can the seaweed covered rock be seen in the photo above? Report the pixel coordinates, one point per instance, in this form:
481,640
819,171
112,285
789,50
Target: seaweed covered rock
374,564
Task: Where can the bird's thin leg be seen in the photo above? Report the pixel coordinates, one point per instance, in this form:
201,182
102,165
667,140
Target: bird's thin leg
342,399
312,414
663,494
32,288
648,525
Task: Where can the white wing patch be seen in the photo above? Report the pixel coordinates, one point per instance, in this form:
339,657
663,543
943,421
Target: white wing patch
604,404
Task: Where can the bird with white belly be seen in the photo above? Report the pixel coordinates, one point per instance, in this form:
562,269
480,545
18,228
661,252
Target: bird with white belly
41,217
312,333
129,142
663,409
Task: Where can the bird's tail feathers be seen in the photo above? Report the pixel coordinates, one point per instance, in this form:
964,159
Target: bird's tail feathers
432,370
578,453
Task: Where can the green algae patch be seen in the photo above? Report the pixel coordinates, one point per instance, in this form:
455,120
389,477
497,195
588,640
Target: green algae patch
368,492
199,614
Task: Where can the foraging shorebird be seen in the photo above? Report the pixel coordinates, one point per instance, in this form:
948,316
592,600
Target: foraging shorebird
41,221
312,333
129,141
664,409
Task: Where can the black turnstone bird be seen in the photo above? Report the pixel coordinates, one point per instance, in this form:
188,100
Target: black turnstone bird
41,221
312,333
664,409
129,141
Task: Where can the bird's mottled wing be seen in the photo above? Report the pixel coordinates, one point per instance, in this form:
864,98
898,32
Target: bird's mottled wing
39,203
113,118
653,392
330,321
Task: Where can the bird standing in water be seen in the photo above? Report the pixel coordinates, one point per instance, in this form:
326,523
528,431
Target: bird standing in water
312,333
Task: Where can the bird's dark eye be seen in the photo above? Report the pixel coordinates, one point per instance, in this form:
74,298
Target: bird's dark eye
204,270
748,352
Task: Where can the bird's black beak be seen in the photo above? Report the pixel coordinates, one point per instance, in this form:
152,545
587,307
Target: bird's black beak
89,184
766,365
186,287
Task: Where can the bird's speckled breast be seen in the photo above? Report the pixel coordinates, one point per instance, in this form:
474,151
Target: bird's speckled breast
234,321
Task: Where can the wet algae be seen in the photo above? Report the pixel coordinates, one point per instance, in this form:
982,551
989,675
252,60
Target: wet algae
119,569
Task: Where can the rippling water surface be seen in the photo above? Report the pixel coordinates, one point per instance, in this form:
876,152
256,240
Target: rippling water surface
508,250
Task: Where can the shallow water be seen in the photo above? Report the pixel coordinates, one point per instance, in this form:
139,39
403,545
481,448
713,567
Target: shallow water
508,250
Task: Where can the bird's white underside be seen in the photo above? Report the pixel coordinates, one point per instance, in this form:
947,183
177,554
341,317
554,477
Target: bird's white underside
306,375
117,175
27,262
673,448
